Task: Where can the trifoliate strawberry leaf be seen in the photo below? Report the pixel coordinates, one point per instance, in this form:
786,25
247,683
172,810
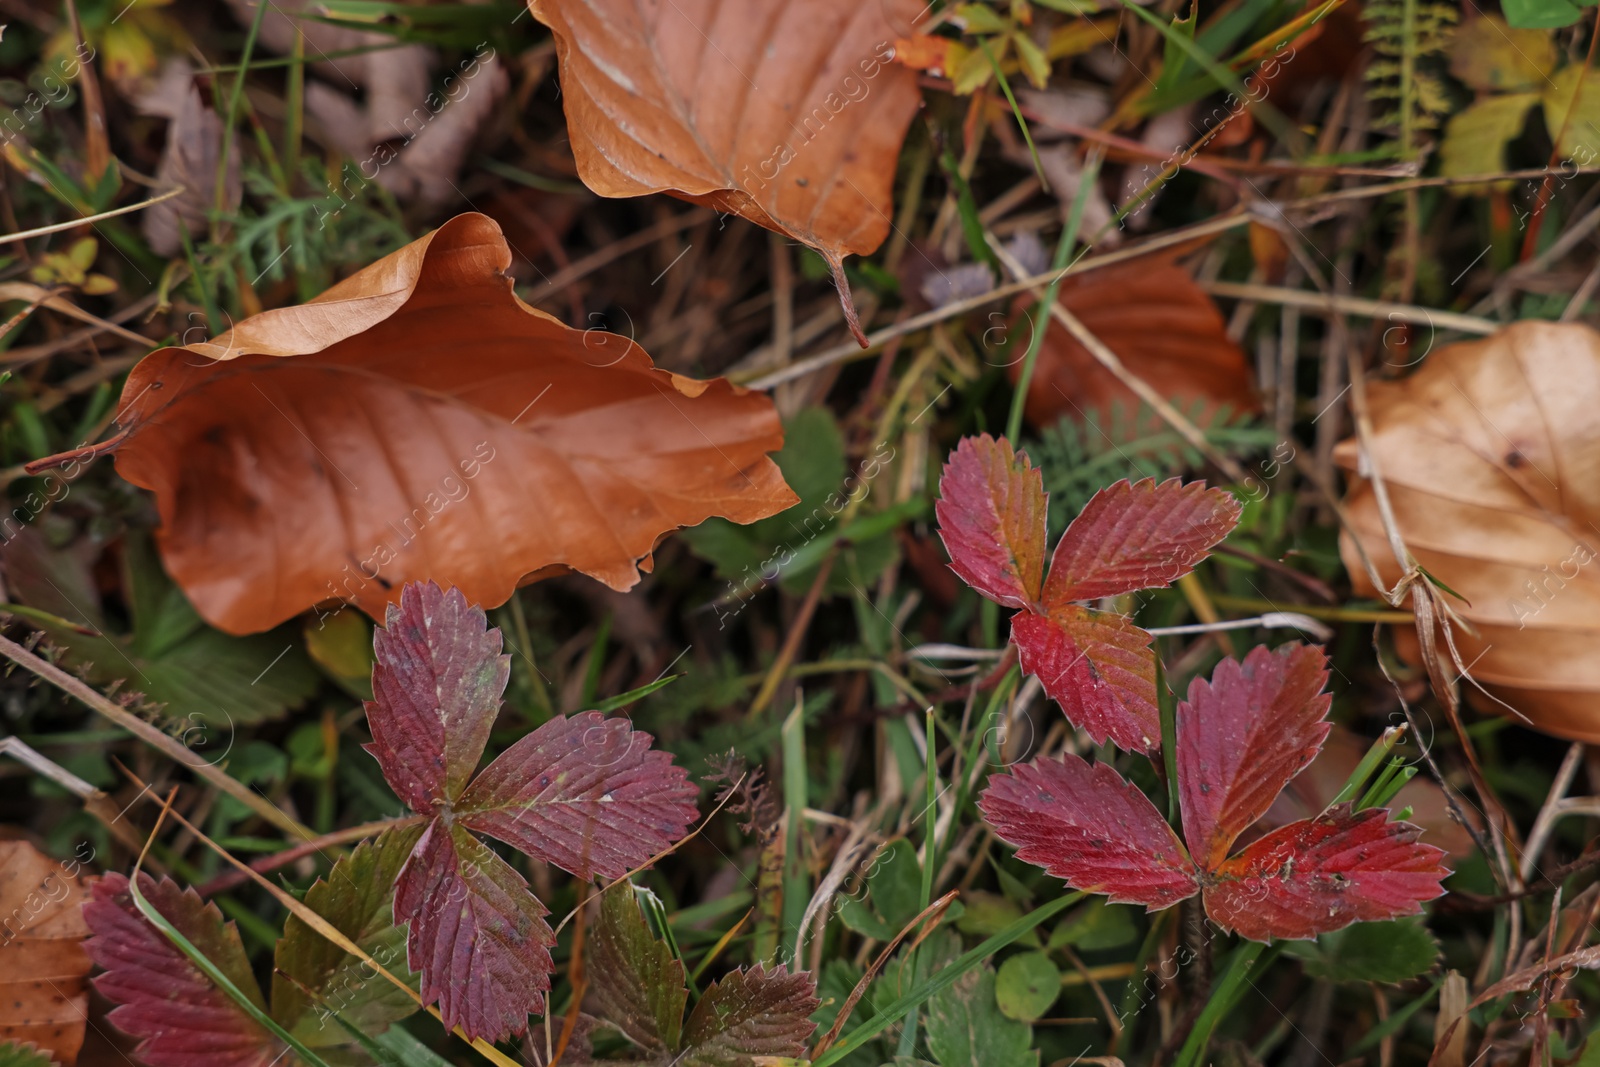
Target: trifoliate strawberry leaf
1242,737
1138,536
1088,826
1320,874
750,1013
179,1015
1098,666
1240,740
991,512
315,980
636,981
585,793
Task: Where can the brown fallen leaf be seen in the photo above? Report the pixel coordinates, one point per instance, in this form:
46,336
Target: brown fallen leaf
1165,328
789,114
44,989
194,144
1491,455
419,421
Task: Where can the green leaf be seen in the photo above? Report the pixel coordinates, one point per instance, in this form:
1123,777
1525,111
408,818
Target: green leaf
980,18
965,1026
989,913
1026,986
203,677
636,981
1540,14
1174,56
1475,140
314,979
340,642
1097,925
1369,952
23,1054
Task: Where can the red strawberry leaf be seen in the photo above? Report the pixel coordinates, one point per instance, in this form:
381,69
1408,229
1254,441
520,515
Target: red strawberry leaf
991,513
1242,737
1137,536
437,685
585,793
477,933
1098,666
181,1017
750,1013
1322,874
1088,826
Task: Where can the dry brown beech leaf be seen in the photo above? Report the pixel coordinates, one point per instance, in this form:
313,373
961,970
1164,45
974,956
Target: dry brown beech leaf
44,971
1163,327
789,113
1491,455
419,421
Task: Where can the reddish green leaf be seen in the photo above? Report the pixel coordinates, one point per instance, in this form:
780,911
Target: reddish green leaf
586,793
1086,825
181,1018
1321,874
477,933
636,981
1242,737
437,685
1137,536
1098,666
991,513
313,979
750,1013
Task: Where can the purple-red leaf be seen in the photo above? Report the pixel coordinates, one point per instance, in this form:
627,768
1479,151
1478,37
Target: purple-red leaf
437,685
180,1016
586,793
1086,825
750,1013
991,513
1137,536
1097,665
477,933
1242,736
1321,874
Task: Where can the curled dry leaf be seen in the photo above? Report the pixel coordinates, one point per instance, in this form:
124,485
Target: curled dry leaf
1491,455
189,161
789,114
44,992
418,421
1163,327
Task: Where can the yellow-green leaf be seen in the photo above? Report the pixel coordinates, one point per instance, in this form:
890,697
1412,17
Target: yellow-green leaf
1034,63
1578,138
1475,141
1489,55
